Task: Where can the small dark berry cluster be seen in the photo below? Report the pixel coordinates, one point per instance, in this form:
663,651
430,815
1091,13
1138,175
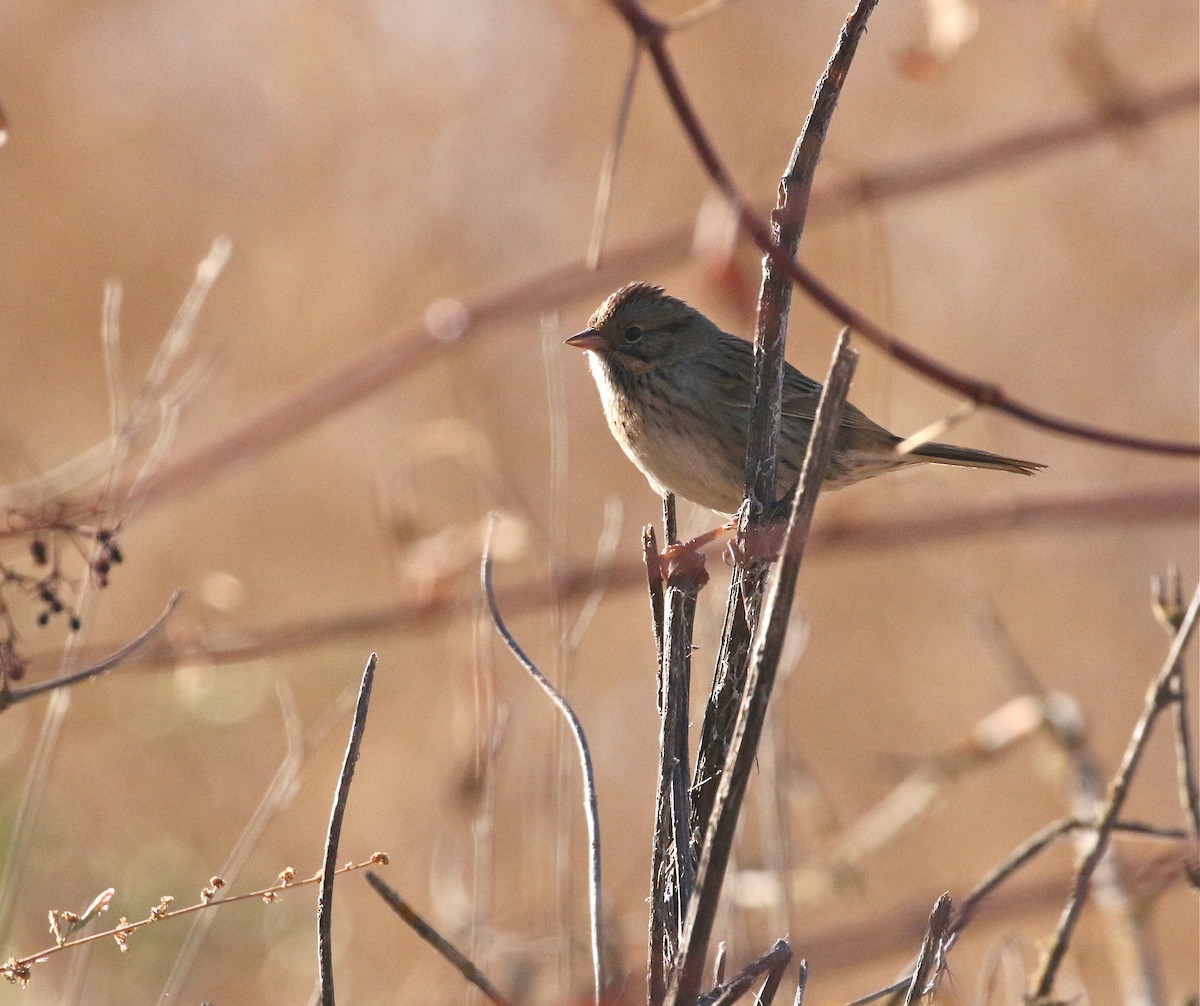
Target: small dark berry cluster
52,590
108,556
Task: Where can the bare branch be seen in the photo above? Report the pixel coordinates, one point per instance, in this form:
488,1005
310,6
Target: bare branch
410,347
1158,697
11,696
585,759
443,946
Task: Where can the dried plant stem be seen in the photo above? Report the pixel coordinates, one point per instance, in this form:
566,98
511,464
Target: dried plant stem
1168,609
764,657
772,964
932,958
585,761
17,968
443,946
673,865
334,833
1159,696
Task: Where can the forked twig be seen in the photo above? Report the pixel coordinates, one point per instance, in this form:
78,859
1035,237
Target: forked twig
1025,853
334,834
443,946
764,658
585,758
1168,609
1159,696
772,964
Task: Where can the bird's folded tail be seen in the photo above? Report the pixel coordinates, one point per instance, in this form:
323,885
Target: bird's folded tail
948,454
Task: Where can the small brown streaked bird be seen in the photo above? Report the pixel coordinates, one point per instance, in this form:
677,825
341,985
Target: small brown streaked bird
677,391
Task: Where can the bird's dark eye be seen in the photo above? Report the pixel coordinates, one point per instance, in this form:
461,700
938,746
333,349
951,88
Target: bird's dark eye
633,333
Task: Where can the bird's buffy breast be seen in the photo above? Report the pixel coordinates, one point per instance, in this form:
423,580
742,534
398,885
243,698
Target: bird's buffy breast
675,445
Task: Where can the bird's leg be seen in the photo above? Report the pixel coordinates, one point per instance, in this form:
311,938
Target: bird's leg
675,557
763,545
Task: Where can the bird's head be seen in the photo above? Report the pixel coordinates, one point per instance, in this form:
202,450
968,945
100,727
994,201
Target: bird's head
640,326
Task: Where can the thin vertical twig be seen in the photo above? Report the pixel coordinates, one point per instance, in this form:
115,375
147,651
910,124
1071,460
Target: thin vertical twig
1168,609
787,226
775,296
801,983
334,834
564,805
1159,696
673,866
612,156
585,758
932,958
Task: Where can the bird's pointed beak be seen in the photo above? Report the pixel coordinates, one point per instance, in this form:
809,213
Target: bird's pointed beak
589,338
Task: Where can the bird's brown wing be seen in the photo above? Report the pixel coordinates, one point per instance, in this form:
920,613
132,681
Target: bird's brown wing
732,383
801,395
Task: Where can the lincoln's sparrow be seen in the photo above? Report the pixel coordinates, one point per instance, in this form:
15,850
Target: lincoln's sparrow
677,390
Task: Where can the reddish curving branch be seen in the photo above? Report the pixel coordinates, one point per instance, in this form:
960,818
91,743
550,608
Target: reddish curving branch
652,34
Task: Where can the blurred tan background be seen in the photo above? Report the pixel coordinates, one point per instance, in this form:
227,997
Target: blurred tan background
367,160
